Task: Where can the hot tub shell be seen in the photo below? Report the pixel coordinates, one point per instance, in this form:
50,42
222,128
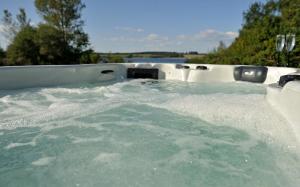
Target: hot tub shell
284,99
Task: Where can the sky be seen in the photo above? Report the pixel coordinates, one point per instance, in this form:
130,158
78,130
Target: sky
152,25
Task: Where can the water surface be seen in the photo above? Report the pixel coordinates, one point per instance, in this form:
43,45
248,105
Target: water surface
145,133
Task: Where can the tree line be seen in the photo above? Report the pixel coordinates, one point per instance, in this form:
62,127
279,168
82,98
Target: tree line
58,39
255,44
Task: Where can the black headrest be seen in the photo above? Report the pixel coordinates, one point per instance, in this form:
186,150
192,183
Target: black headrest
287,78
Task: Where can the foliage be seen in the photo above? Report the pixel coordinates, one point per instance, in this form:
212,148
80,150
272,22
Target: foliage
58,40
2,53
23,21
256,42
90,57
130,56
2,56
23,50
65,16
94,58
196,61
52,49
11,26
221,46
115,59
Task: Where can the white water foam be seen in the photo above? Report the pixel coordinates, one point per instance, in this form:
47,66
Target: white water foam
117,132
14,145
107,157
245,111
43,161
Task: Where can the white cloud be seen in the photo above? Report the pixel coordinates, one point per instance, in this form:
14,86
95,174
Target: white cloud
130,29
232,34
34,24
179,43
126,39
156,38
3,40
146,39
209,34
205,34
181,37
1,28
214,34
139,30
152,37
202,41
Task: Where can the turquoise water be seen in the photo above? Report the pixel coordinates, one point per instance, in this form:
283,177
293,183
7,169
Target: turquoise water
145,133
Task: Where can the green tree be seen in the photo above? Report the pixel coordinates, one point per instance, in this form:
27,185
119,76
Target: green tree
2,53
23,50
23,21
221,46
253,15
65,15
256,42
90,57
52,49
12,26
290,23
2,56
115,59
95,58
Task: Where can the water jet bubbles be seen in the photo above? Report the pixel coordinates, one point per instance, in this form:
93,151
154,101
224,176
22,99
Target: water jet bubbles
161,133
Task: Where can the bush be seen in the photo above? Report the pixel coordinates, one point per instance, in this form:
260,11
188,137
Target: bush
95,58
195,61
115,59
90,57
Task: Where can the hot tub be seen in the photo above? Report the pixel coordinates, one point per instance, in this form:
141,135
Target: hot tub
91,126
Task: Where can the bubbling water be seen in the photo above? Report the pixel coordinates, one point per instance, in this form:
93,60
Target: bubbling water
145,133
